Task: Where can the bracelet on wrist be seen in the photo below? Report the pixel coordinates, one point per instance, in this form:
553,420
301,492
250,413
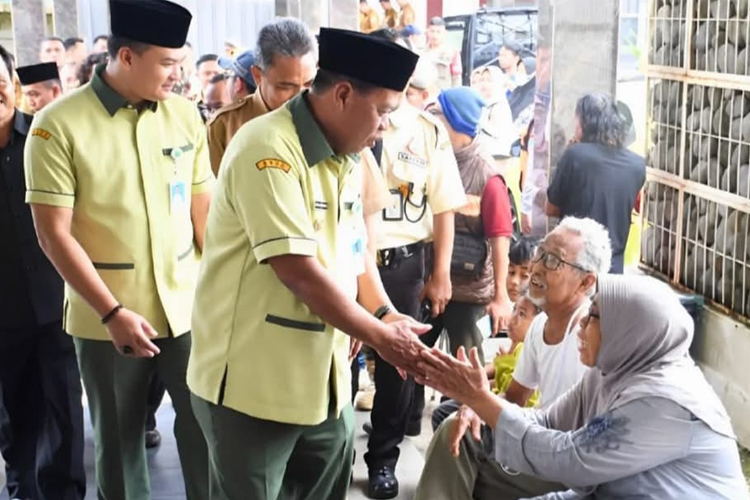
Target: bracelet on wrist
111,314
382,311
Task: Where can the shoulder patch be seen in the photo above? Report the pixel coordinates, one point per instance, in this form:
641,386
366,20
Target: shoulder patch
273,163
40,132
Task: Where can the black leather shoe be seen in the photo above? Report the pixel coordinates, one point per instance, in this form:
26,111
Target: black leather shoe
383,484
153,439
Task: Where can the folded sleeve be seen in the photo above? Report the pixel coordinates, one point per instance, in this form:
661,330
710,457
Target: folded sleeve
203,177
265,187
48,163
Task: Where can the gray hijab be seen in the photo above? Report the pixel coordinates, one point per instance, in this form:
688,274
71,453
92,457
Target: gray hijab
646,336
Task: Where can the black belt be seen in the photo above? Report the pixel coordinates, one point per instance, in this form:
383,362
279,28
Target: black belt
391,256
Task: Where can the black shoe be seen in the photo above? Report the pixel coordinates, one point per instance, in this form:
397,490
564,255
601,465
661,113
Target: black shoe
153,439
367,427
383,484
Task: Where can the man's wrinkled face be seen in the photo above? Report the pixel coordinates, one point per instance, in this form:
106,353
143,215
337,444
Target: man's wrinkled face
555,279
285,78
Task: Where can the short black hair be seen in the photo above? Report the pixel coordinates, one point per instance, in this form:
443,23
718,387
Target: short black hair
71,42
522,250
115,43
205,58
8,59
88,64
325,79
101,37
219,77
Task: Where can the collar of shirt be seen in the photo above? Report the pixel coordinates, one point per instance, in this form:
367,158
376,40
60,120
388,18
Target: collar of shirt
21,123
111,100
403,115
315,147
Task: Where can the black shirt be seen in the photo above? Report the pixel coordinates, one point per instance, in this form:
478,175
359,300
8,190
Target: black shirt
599,182
31,291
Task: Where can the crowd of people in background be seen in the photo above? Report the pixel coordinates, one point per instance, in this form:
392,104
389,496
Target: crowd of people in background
231,228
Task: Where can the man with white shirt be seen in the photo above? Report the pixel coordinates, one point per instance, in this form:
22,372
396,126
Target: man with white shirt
563,278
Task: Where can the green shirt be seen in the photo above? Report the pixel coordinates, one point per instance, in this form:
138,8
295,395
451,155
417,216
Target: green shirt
119,169
257,348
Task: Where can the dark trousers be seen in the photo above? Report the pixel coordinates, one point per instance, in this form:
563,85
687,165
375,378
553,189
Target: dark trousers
41,437
156,390
255,459
117,387
392,406
460,323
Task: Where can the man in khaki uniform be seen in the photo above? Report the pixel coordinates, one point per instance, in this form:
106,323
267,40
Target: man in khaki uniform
422,175
119,201
447,60
285,63
390,19
408,16
269,368
368,18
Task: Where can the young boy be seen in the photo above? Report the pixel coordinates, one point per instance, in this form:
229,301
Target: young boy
519,268
501,368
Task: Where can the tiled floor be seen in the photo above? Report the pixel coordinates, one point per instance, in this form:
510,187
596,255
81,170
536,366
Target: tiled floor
166,477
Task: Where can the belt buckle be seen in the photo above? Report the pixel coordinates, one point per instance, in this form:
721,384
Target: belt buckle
385,257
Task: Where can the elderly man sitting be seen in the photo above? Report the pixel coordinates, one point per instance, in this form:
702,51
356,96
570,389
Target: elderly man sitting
563,279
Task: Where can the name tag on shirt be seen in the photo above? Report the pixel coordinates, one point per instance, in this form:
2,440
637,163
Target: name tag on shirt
177,196
394,211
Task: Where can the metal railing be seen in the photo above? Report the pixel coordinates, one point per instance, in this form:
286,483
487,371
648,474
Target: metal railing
697,198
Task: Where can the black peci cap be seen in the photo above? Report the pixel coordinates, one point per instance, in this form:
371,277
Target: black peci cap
368,59
155,22
29,75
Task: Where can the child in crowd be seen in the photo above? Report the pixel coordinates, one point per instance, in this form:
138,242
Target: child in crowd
501,368
519,267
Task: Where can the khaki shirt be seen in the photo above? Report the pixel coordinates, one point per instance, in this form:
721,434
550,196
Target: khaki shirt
128,176
448,65
422,175
228,120
369,22
391,18
281,190
407,16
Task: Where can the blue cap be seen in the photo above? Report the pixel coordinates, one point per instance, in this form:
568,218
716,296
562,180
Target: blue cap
410,29
241,65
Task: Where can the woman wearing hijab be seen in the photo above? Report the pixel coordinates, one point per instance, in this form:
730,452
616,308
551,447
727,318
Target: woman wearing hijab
497,122
642,422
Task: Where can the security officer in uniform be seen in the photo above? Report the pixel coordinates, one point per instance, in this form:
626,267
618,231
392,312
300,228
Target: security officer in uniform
42,435
269,368
119,183
281,71
421,171
40,84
